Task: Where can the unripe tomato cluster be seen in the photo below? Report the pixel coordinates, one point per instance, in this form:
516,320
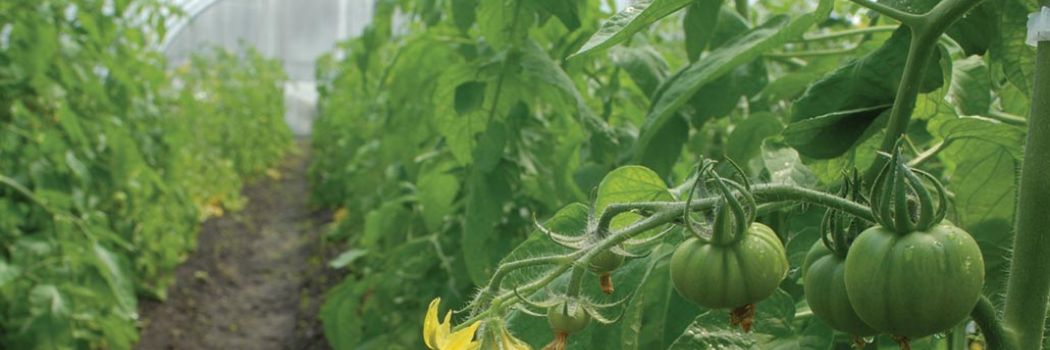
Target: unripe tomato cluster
911,275
916,284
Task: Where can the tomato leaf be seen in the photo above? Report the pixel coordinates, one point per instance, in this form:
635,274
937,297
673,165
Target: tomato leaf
785,166
741,50
1017,59
644,65
485,197
745,142
538,66
630,184
833,134
699,24
971,86
853,96
463,13
634,18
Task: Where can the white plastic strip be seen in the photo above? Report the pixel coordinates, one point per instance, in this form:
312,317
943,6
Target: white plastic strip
1038,27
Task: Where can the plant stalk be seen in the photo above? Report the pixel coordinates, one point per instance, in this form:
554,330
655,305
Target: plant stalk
1029,283
926,30
847,33
984,314
922,47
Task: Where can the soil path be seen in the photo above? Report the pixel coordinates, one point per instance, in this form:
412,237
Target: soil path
256,279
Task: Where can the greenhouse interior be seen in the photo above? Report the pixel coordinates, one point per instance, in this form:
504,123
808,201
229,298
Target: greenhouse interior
524,174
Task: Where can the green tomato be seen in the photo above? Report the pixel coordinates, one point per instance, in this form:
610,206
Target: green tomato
605,262
914,284
568,317
824,281
733,275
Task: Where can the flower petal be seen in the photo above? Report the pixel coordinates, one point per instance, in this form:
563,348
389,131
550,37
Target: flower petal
463,339
430,324
512,343
441,333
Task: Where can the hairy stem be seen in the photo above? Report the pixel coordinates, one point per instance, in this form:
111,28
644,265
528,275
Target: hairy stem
1029,283
764,193
901,16
814,53
926,29
923,45
1007,118
848,33
506,269
984,314
576,280
930,153
661,213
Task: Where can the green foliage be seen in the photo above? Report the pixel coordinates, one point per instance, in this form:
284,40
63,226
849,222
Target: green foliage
445,140
107,168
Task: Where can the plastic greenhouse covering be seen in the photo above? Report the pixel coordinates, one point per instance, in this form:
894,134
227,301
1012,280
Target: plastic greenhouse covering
294,32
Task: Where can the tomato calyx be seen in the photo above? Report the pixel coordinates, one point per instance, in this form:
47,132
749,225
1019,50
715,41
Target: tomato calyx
839,229
604,261
901,201
569,314
743,316
606,283
732,216
560,339
858,341
903,342
823,270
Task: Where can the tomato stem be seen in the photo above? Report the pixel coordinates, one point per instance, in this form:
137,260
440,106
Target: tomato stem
504,269
661,213
900,16
926,30
920,52
1029,283
847,33
763,193
984,314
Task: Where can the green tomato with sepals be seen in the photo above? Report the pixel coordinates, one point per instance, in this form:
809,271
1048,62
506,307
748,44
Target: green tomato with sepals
915,284
730,275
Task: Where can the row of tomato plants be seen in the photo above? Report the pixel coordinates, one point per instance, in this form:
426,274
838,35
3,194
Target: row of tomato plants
444,137
110,162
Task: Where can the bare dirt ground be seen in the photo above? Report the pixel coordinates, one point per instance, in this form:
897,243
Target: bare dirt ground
257,277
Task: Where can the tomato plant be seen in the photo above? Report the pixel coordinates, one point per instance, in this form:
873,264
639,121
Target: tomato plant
108,166
446,134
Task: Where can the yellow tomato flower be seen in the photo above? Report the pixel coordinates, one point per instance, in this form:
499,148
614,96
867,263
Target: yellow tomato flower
438,336
509,342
